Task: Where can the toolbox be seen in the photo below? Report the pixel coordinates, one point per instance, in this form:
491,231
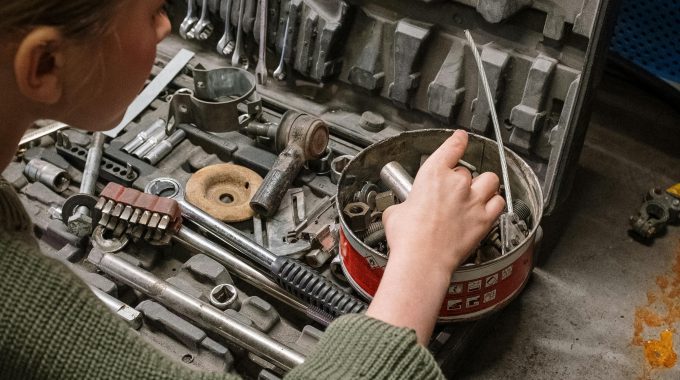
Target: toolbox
354,73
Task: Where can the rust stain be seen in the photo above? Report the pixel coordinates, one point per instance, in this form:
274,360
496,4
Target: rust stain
659,316
659,353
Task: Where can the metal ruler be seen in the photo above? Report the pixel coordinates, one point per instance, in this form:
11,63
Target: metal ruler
153,89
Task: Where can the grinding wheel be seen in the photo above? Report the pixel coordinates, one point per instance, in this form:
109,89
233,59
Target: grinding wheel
224,191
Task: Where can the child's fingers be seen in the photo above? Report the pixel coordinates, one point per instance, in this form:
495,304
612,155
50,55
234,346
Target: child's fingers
451,150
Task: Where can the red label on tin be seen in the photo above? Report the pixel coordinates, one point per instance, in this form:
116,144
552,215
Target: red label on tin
476,296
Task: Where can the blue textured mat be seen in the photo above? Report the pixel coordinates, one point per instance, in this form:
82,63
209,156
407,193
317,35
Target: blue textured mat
647,33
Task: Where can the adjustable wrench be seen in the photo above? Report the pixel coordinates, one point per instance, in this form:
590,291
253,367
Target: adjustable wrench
261,69
203,28
189,20
236,58
226,44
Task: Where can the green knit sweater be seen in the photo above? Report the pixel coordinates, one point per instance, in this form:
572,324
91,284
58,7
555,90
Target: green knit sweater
53,327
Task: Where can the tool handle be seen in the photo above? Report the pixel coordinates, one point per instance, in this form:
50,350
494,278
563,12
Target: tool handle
267,198
316,290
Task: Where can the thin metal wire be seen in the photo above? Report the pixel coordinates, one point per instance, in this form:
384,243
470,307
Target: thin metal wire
494,118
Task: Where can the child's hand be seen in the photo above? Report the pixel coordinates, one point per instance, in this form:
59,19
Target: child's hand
444,218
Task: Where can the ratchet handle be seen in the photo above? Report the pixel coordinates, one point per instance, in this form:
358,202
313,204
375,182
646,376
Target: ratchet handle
316,290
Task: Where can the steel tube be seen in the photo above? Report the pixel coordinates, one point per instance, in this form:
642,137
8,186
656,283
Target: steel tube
397,179
204,314
198,243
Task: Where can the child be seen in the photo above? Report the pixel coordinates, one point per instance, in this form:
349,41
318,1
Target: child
82,62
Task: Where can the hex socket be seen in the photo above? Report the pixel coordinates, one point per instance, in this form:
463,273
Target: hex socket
138,140
160,151
48,174
225,296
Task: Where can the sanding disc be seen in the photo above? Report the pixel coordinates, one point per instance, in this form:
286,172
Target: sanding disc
224,191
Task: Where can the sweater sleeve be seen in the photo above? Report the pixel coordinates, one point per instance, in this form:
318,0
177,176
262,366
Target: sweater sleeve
53,327
359,347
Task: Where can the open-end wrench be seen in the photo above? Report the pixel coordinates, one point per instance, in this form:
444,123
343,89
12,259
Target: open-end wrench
203,28
279,73
226,44
261,69
237,59
189,20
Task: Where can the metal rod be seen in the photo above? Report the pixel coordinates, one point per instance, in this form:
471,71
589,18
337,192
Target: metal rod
94,159
204,314
230,235
131,316
494,118
198,243
42,132
397,179
153,89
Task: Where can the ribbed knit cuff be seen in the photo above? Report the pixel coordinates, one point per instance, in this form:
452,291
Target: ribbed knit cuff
359,347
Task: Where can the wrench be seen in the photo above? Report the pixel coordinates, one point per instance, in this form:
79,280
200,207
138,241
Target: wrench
291,275
226,44
236,58
279,72
204,314
203,28
189,20
261,69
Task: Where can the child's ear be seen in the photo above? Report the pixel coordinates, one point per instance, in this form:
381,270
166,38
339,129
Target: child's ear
38,65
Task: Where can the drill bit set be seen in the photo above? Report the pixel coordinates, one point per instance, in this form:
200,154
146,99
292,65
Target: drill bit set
126,211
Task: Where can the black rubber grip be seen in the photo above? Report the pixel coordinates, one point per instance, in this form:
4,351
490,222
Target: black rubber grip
308,285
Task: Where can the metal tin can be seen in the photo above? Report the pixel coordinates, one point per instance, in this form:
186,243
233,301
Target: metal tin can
475,289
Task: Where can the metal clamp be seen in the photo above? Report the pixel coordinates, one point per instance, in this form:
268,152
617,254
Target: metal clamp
213,105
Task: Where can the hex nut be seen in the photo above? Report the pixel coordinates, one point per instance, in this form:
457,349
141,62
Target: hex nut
358,216
384,200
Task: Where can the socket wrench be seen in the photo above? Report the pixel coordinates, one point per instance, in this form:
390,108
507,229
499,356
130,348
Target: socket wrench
295,277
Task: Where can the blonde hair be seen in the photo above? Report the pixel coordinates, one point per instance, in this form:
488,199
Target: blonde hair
75,18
